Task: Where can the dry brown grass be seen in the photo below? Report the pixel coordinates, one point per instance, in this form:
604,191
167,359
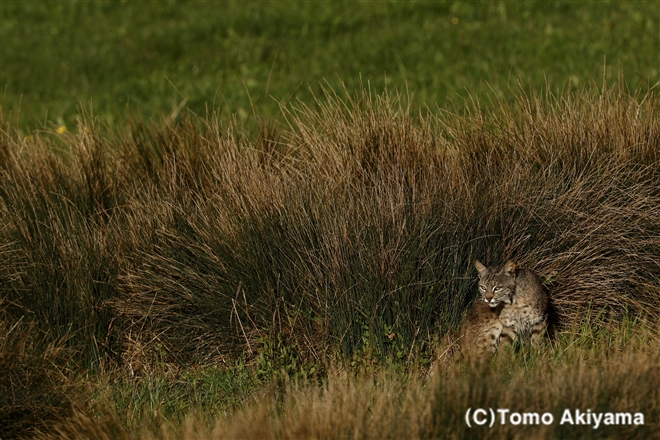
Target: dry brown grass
365,215
346,230
37,385
613,372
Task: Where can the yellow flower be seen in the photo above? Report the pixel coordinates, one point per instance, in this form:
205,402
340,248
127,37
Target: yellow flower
61,129
455,20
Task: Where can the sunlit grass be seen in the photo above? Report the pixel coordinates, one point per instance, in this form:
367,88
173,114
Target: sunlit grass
613,372
165,58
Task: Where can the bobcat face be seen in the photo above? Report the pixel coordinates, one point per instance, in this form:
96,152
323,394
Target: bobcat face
494,295
497,284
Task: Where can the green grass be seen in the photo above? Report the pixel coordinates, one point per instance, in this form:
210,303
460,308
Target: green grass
601,369
161,58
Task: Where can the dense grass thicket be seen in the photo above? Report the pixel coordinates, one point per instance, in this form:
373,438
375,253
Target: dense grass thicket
161,57
186,264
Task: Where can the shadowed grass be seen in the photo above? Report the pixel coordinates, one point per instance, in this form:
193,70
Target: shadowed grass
361,220
38,382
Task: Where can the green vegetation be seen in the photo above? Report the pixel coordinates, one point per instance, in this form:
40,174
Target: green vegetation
161,58
607,372
251,270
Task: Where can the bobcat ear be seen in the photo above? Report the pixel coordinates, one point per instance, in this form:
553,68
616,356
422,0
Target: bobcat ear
509,268
480,268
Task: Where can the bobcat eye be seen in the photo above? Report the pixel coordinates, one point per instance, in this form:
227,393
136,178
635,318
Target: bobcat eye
497,289
482,287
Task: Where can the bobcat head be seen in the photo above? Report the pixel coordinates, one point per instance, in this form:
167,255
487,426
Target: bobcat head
497,285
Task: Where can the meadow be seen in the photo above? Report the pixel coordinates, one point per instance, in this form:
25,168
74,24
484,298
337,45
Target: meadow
167,58
298,267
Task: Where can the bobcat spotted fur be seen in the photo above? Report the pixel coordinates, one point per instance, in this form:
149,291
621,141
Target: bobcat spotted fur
511,304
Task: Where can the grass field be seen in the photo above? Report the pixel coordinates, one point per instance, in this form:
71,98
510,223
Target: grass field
164,58
303,275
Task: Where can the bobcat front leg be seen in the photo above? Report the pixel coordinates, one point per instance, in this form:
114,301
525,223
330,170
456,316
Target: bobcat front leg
507,337
538,330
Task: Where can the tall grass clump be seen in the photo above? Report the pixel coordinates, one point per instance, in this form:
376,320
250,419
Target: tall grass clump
57,198
353,225
349,225
345,230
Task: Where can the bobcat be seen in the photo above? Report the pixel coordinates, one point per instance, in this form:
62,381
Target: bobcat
481,330
516,305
